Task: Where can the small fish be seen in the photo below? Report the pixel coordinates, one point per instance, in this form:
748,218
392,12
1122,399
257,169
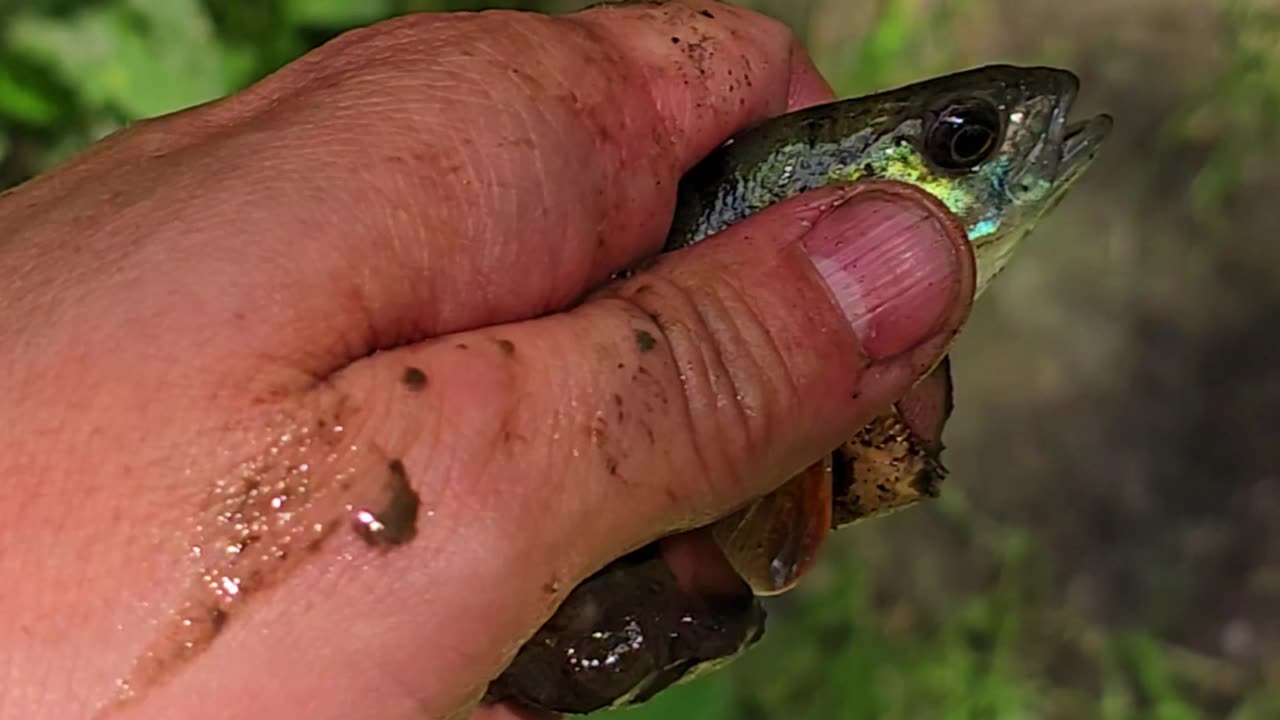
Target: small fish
995,146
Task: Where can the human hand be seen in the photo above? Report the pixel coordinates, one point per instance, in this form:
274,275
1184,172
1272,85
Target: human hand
222,328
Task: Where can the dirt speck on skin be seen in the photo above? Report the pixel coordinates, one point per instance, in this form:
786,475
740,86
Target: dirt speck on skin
620,414
648,432
506,346
698,56
599,431
414,379
645,341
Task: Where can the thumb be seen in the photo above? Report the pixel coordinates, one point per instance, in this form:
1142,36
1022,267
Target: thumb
551,446
556,445
774,342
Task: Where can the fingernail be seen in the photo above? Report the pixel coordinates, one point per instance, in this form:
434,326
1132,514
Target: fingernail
891,267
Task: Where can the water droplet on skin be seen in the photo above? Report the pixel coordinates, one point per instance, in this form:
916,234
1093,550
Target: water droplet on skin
230,586
250,529
368,523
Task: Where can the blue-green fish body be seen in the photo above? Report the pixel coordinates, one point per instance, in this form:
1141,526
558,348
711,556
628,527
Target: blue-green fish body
993,144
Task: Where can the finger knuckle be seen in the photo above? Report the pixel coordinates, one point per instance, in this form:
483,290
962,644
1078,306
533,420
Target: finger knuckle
732,380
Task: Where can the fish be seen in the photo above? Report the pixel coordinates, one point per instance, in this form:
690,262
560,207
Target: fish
997,147
994,144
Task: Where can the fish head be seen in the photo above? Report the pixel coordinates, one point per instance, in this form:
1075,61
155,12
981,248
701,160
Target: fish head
993,144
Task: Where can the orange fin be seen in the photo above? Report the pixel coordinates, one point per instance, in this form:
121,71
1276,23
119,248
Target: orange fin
775,540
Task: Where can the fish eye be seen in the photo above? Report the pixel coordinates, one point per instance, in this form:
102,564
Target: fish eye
963,135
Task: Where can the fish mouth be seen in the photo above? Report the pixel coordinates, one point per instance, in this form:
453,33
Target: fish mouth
1080,143
1065,149
1077,147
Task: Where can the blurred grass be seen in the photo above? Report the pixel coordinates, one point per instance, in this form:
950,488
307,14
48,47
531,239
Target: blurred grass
970,627
1237,111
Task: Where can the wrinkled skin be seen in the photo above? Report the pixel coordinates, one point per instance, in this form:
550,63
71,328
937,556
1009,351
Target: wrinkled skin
187,292
634,629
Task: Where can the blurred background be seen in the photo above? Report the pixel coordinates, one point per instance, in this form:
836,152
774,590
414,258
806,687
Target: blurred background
1108,544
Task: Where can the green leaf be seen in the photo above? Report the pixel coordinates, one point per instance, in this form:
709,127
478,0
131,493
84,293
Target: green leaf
336,13
24,100
706,698
140,57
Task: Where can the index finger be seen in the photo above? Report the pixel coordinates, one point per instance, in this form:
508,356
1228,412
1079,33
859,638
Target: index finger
576,148
446,172
721,68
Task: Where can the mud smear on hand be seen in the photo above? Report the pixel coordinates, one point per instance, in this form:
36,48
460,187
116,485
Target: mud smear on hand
260,522
645,341
414,379
396,521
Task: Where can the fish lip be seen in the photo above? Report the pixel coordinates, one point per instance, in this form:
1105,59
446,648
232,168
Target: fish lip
1080,143
1065,150
1046,162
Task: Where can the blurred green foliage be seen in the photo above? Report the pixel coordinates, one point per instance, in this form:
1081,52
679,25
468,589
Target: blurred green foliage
1236,112
72,71
1006,653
